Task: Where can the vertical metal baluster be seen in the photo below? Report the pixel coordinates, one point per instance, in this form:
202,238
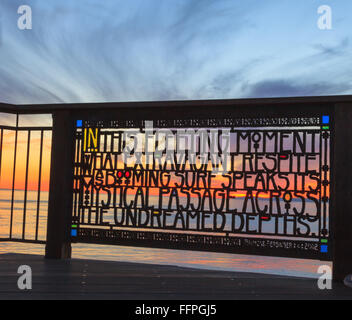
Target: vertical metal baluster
80,192
26,186
76,174
13,177
320,176
1,145
1,142
325,179
39,184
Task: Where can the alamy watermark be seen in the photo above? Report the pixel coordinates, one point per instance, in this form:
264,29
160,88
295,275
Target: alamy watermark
325,17
0,30
24,22
24,282
325,280
199,146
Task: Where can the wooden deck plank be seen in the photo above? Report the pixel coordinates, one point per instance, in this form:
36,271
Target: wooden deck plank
91,279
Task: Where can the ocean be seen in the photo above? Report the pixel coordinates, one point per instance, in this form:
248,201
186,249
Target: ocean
193,259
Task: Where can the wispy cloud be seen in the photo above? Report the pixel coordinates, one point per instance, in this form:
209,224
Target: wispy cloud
334,50
88,51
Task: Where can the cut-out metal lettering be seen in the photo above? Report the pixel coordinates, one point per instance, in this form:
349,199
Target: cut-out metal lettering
255,186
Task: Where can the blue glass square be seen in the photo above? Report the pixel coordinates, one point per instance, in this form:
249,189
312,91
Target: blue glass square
79,123
74,233
326,119
324,248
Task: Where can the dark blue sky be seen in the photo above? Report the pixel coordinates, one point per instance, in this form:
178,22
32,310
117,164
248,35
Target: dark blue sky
112,50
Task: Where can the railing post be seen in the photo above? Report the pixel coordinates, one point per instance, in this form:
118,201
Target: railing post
342,192
58,244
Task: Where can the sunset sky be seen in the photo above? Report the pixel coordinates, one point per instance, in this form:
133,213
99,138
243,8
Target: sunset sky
114,50
84,51
33,168
102,51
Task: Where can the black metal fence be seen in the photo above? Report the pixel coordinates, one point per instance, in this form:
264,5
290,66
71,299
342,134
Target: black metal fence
281,195
22,172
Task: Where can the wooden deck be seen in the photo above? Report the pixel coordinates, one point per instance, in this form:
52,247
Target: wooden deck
90,279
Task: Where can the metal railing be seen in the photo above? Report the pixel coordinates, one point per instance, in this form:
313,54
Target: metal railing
270,197
71,196
21,153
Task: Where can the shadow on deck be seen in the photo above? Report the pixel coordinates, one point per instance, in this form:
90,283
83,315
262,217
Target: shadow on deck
90,279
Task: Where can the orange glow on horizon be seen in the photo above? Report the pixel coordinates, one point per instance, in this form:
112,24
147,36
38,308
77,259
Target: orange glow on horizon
7,161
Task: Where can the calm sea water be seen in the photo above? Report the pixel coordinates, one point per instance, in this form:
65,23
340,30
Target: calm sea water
203,260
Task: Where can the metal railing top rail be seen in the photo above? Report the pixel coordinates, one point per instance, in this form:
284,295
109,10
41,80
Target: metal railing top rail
49,108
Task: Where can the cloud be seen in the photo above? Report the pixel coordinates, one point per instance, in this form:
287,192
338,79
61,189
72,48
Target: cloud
115,50
142,51
291,88
333,50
